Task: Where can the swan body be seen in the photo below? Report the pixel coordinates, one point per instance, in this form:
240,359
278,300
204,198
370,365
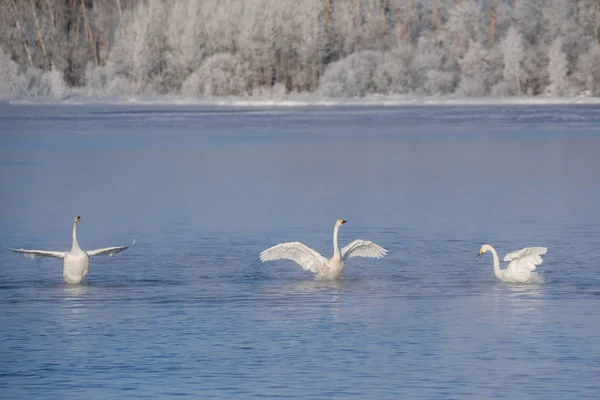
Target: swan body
323,268
521,266
76,262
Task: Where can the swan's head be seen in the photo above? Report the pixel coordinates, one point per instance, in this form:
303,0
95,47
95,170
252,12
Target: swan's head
77,218
340,222
484,249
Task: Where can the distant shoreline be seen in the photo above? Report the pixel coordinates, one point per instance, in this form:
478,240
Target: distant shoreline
306,101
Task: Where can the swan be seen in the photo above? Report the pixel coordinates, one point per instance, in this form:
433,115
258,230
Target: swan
76,261
521,265
323,268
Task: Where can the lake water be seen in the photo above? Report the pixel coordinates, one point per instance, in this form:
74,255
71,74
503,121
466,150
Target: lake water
190,311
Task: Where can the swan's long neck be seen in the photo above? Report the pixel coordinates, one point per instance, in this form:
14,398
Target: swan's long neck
497,269
75,244
336,249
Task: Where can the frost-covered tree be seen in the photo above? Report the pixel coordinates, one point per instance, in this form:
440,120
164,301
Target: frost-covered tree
310,47
465,24
554,15
582,32
149,53
514,55
529,19
137,61
120,73
433,72
534,76
505,16
221,74
393,74
474,68
374,25
404,20
557,70
351,76
529,23
185,41
347,31
588,71
257,41
55,82
10,80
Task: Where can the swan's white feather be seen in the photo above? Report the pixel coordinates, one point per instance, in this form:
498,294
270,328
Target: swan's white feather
362,248
307,258
525,259
526,252
109,251
38,253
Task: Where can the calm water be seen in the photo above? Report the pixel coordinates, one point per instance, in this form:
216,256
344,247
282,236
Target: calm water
190,311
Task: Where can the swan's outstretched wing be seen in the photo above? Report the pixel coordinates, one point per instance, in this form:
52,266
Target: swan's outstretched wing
109,251
307,258
38,253
362,248
525,259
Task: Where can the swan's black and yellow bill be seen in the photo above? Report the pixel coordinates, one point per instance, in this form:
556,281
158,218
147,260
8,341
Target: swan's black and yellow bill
343,221
480,253
77,217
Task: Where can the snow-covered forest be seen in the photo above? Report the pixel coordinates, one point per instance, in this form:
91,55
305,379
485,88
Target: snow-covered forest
338,48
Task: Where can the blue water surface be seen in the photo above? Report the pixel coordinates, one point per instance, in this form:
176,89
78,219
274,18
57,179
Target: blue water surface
190,311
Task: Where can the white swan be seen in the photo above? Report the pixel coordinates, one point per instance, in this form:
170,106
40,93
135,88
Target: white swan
76,261
521,265
323,268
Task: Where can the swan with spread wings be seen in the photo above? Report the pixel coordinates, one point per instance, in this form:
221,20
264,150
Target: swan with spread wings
323,268
76,261
521,266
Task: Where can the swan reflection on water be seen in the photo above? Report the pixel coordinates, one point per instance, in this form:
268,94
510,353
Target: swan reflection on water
299,294
523,302
74,292
315,286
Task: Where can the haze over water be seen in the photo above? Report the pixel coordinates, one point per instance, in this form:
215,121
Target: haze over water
189,310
